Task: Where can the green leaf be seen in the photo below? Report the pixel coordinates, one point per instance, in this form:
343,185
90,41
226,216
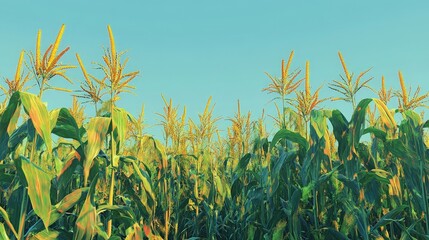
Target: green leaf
318,122
413,117
389,217
333,234
241,166
119,122
378,133
86,223
65,125
39,187
296,197
398,148
51,235
141,201
61,208
379,175
18,135
357,122
339,124
71,199
279,229
14,206
291,136
6,119
284,158
65,175
96,131
3,234
143,176
39,116
350,183
136,233
5,216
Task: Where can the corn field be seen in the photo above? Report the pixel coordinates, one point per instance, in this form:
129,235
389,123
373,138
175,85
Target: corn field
322,175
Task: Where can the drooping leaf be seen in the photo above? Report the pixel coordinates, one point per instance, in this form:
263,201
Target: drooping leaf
378,133
357,122
96,131
339,124
413,117
65,176
61,208
71,199
18,135
39,187
65,124
86,223
39,116
318,122
291,136
143,176
5,120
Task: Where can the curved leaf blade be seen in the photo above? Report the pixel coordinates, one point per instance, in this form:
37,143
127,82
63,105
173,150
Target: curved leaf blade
39,188
39,116
97,130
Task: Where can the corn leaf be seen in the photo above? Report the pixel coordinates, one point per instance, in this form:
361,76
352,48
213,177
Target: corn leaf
3,234
291,136
19,135
6,220
65,175
86,223
318,122
96,131
278,230
357,122
51,235
61,208
136,233
39,116
65,125
389,217
119,122
7,119
39,187
14,207
145,179
378,133
241,166
339,127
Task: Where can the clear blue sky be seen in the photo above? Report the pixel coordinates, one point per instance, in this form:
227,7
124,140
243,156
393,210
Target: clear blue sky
190,50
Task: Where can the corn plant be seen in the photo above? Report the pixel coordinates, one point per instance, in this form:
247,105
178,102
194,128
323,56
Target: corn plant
65,174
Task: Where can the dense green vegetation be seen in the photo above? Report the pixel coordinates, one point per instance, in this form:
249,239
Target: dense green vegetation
67,176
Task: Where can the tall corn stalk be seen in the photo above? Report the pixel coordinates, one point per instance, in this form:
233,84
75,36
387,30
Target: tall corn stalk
119,82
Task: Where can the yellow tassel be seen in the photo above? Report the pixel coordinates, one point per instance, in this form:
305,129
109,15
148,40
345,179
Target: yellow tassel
56,45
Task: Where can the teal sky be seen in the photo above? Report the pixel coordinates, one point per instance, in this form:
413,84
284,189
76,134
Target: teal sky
190,50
